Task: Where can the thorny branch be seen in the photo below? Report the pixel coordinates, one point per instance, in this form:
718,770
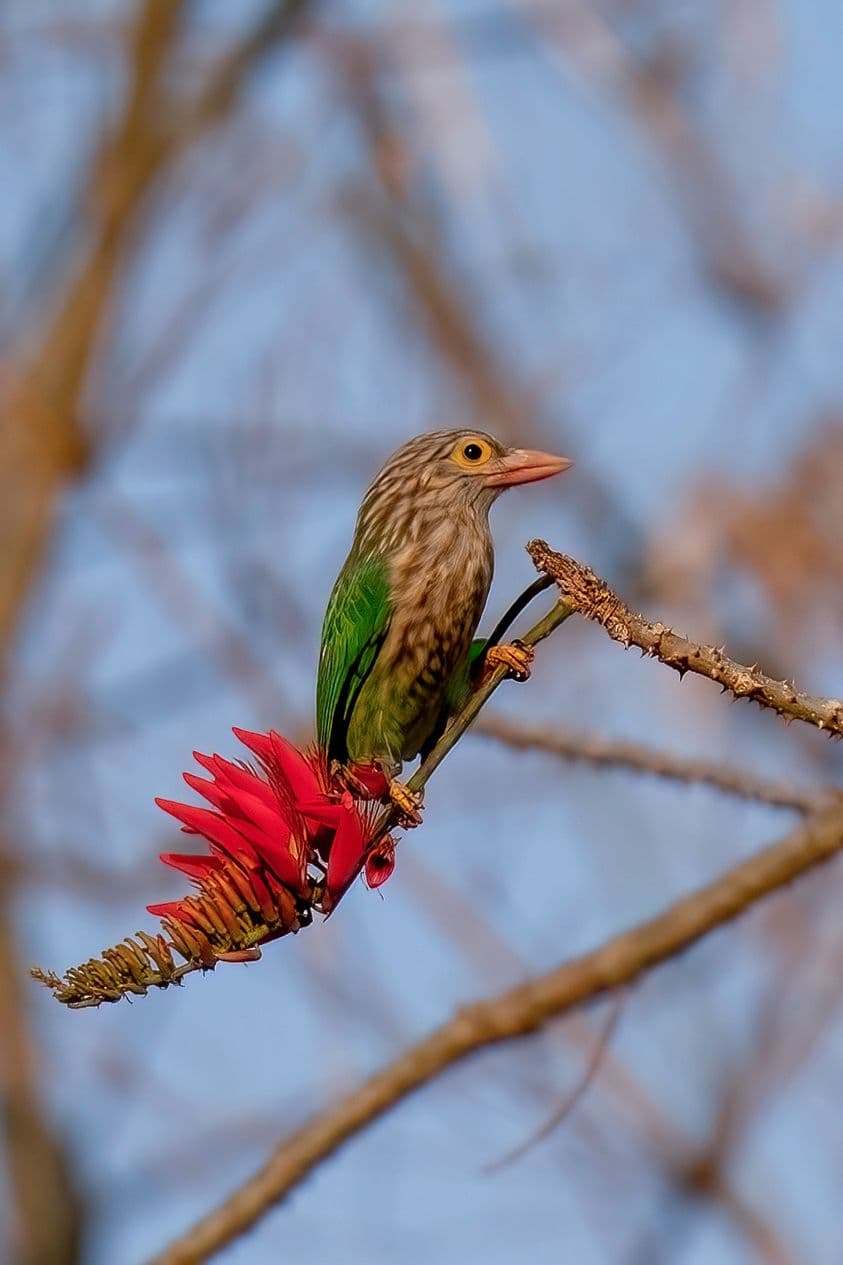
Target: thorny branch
514,1014
592,597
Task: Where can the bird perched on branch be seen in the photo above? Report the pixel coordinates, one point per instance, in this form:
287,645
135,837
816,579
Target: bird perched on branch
398,653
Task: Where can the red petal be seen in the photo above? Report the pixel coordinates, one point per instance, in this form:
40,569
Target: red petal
214,828
346,850
297,771
227,774
261,744
210,791
271,818
171,909
195,867
208,762
275,852
379,865
324,810
233,778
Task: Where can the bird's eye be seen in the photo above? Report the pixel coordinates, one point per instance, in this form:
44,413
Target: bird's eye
471,453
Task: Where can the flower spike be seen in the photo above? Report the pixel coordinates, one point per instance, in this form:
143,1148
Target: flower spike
284,841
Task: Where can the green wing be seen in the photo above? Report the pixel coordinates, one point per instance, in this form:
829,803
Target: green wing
356,623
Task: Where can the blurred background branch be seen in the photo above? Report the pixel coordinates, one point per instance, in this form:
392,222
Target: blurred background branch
614,753
47,440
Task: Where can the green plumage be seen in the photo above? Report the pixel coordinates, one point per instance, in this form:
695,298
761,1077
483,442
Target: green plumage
356,624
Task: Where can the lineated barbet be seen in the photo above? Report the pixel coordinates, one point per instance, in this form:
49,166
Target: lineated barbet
398,653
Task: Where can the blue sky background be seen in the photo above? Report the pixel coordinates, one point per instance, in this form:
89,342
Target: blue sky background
262,355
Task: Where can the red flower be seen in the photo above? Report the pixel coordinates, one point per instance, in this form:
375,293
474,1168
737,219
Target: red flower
282,839
380,863
285,839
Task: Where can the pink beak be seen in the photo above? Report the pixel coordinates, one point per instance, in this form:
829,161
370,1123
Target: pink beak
523,465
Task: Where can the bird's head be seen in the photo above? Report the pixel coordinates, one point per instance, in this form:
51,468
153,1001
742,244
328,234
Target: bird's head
449,472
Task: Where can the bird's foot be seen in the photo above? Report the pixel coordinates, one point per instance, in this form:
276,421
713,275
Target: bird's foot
407,802
515,655
365,781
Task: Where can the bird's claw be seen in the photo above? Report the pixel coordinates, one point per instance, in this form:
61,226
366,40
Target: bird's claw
407,802
515,655
365,781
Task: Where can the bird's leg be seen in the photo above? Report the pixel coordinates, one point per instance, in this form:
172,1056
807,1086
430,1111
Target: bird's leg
365,781
514,655
408,803
374,781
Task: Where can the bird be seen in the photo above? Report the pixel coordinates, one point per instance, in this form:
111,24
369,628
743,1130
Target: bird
398,652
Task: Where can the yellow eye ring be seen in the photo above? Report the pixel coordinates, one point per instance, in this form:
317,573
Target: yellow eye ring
471,453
